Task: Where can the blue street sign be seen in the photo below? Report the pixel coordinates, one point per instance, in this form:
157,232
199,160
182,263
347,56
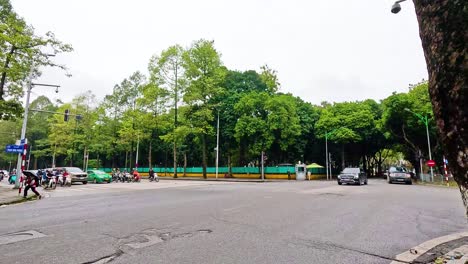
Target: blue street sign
14,148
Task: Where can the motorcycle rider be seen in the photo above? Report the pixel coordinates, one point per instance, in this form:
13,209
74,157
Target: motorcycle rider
136,175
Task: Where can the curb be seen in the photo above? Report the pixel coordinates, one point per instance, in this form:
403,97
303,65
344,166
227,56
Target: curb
213,180
18,200
417,251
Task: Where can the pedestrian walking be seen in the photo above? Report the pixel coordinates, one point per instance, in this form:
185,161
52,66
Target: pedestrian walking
31,183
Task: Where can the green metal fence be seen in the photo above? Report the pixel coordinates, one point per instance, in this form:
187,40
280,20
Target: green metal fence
223,170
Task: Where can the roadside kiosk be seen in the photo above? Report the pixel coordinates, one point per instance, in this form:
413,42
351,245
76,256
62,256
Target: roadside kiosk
300,171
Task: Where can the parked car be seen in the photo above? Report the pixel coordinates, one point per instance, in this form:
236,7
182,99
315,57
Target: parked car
99,176
77,175
399,174
352,176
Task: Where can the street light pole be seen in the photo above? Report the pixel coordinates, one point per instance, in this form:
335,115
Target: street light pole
23,129
19,164
429,146
217,147
425,120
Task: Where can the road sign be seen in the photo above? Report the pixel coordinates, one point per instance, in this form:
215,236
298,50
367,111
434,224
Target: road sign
14,148
431,163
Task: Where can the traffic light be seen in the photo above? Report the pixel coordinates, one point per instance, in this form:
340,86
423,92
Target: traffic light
67,114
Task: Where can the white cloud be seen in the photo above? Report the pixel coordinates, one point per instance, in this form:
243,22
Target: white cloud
323,50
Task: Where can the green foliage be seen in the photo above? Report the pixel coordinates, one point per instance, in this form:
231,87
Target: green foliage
21,55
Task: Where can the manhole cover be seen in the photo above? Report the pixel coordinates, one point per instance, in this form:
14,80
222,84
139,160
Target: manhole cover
20,236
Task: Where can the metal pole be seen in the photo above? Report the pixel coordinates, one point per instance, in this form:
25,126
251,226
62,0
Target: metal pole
217,148
429,147
23,129
326,154
329,156
29,158
421,167
136,158
87,159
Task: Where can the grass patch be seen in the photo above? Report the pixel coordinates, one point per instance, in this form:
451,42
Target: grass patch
20,200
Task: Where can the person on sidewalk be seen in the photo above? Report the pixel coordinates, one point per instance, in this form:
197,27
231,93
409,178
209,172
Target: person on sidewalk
31,183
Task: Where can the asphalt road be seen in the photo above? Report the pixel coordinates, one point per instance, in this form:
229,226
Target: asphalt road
275,222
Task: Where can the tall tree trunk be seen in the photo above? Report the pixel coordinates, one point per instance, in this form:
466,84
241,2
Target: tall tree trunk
443,31
149,154
4,73
229,164
175,160
126,159
203,139
365,164
185,163
131,157
343,164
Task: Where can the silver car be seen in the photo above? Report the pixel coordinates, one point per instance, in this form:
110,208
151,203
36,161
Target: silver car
352,176
399,174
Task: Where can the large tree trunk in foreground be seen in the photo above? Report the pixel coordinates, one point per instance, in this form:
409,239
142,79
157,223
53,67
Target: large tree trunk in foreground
443,31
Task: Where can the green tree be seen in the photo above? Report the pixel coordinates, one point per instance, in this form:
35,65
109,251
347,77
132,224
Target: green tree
21,54
351,123
205,75
167,71
404,127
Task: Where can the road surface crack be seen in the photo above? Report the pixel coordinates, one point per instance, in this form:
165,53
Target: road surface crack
331,247
106,259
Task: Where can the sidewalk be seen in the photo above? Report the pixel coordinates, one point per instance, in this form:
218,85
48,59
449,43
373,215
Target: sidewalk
8,195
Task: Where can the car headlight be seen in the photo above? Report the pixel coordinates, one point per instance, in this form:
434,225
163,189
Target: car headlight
339,176
356,177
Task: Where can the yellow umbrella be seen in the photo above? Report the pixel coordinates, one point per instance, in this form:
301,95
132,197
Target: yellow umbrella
314,166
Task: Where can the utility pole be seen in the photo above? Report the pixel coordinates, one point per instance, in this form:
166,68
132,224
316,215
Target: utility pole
217,147
21,156
136,157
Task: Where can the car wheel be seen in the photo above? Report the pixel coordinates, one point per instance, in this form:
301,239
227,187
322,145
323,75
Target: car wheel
339,183
365,183
409,182
85,182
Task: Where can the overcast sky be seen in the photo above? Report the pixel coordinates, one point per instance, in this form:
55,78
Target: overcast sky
323,50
